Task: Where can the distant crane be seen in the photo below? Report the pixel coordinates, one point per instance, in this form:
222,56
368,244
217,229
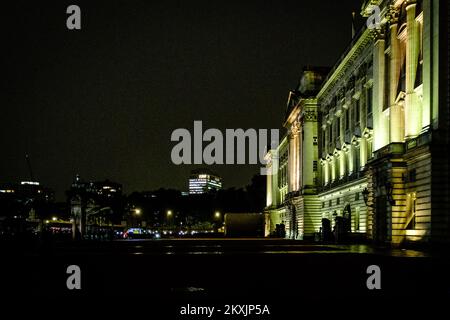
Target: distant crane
29,167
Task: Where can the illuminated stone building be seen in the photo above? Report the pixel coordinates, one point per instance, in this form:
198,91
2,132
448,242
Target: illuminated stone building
368,140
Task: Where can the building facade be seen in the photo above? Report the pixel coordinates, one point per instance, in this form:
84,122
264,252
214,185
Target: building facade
204,181
367,140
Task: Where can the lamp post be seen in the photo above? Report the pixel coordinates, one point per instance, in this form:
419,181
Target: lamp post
218,219
137,213
169,215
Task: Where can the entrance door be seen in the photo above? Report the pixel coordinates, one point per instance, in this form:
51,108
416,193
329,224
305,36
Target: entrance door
381,219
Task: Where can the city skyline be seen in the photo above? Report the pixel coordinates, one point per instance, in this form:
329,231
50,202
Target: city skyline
105,99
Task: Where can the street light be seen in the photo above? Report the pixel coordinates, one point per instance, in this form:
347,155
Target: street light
217,214
168,221
137,211
54,218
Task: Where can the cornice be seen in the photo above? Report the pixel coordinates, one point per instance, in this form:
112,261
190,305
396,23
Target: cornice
347,63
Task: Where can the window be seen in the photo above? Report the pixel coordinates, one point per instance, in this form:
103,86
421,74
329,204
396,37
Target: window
323,139
338,201
314,165
357,227
357,196
356,157
369,149
419,76
411,211
412,175
369,100
330,203
402,83
347,119
387,81
338,127
357,106
330,133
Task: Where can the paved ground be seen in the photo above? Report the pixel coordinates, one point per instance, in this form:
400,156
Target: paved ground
226,270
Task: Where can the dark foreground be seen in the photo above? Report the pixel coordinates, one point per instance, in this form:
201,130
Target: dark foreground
250,271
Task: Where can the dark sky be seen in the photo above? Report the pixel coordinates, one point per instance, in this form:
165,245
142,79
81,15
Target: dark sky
103,101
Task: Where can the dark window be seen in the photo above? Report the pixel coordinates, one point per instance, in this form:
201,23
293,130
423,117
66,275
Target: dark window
338,201
357,196
369,100
412,175
387,80
357,101
356,159
330,133
347,119
338,127
402,83
314,165
330,203
323,139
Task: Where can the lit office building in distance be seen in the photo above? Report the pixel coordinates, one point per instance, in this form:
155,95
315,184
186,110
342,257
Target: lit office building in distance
204,181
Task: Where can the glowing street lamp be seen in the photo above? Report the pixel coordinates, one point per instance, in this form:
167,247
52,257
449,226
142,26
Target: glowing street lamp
137,211
169,213
54,218
217,215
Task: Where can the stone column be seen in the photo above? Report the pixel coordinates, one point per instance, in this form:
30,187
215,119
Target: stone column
380,124
269,177
275,171
291,162
299,146
294,155
397,129
413,116
363,152
307,152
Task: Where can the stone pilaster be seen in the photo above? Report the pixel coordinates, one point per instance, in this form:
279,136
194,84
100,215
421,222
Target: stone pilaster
413,116
294,156
380,121
397,128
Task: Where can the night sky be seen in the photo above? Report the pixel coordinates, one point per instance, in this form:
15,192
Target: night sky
103,101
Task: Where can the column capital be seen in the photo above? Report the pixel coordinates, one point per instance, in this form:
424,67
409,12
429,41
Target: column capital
377,34
393,14
295,128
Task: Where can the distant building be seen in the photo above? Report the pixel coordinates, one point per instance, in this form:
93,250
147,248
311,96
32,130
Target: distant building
204,181
104,188
20,199
94,205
